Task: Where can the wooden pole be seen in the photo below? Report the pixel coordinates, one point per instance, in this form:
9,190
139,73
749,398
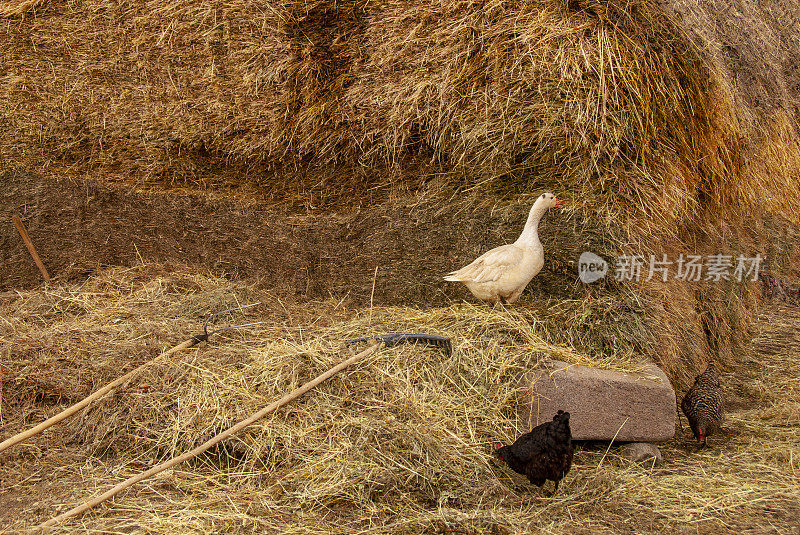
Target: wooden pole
96,395
29,244
294,394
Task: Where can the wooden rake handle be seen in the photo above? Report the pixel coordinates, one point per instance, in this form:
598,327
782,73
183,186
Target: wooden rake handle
294,394
66,413
17,220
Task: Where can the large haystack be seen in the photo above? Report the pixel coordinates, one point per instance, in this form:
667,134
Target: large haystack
368,117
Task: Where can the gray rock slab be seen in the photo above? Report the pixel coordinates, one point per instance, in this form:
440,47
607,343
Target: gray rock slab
603,404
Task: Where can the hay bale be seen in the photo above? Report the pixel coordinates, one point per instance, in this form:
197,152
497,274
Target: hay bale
619,106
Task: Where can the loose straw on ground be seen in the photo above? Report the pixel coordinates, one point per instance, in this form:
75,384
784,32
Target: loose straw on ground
294,394
66,413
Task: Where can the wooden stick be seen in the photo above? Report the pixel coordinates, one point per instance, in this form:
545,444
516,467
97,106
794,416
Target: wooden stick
96,395
294,394
29,244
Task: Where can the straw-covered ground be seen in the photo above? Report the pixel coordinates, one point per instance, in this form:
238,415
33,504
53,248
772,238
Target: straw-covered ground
400,443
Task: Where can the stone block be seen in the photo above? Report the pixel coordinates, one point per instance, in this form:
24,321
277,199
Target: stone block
603,404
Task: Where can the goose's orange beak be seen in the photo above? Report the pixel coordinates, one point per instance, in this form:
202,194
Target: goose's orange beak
560,202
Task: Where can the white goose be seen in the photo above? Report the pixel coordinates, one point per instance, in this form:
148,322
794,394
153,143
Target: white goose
503,272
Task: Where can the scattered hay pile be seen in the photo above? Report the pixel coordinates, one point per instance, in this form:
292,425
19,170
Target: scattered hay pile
125,316
320,104
398,444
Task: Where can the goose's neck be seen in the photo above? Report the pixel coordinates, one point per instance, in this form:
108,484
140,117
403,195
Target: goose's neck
530,234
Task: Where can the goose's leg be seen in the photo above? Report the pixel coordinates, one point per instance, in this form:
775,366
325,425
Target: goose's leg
514,297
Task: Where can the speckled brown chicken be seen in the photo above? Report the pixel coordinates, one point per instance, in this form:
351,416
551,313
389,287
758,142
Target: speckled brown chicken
704,405
543,453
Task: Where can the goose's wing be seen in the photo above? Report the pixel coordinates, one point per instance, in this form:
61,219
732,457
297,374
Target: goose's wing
490,266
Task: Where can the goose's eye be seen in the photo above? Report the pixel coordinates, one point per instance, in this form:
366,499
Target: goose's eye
543,195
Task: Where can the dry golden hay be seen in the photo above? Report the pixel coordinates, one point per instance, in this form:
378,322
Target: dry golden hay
399,444
19,8
612,98
619,106
143,304
628,110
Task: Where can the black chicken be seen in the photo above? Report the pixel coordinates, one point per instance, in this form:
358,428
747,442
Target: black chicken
703,404
544,453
